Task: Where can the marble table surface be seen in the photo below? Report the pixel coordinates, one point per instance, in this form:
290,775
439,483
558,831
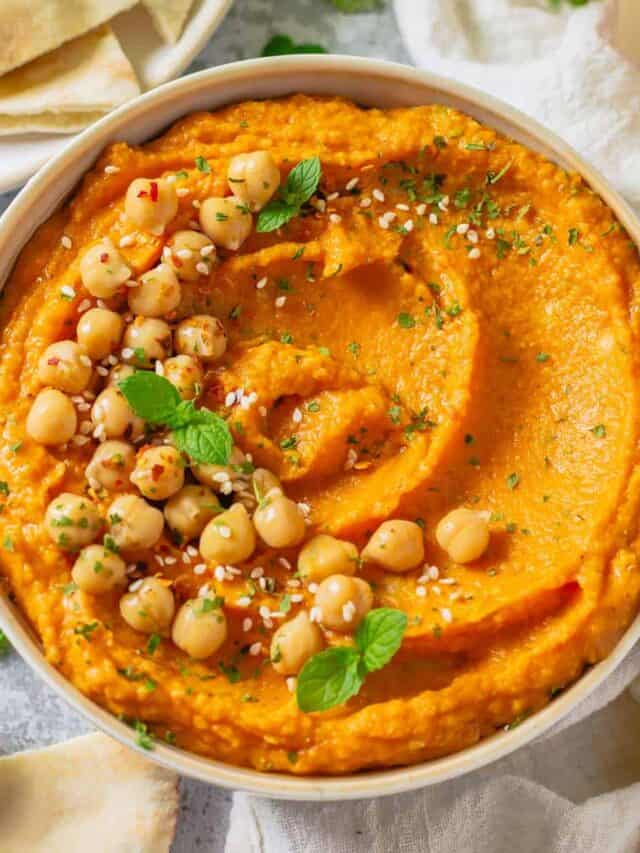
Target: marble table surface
31,714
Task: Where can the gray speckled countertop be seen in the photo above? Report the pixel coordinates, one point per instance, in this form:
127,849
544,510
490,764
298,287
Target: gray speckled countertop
31,714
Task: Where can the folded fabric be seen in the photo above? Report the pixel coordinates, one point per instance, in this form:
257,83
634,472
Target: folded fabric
68,88
89,793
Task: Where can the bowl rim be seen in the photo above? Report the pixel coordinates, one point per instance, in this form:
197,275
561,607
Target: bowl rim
72,159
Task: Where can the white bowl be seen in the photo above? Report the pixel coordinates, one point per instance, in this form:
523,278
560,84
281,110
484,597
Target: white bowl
368,82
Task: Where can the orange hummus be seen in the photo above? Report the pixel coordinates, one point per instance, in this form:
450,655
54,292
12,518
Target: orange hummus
451,321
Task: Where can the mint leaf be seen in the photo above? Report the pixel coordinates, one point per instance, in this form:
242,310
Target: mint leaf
350,7
301,184
329,679
281,45
276,214
208,441
151,397
379,636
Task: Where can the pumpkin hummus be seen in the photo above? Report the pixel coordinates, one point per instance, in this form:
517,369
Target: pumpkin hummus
449,320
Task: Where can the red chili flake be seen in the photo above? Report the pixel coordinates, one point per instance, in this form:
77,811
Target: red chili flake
142,193
104,257
156,472
154,191
53,361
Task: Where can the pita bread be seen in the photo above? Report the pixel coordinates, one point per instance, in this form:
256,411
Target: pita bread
29,28
90,794
169,17
67,89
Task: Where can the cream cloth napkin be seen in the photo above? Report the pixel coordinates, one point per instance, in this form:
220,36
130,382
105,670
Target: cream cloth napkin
577,791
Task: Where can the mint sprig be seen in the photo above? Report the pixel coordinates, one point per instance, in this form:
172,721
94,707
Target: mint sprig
301,184
333,676
281,45
200,433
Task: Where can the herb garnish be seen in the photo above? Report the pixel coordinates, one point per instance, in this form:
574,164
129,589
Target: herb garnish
301,184
334,675
281,45
200,433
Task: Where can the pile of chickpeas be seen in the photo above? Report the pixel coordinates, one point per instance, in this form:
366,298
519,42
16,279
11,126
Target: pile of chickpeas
136,475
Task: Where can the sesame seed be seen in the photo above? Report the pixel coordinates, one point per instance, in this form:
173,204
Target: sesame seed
135,585
181,192
247,624
333,196
79,440
365,202
255,649
335,218
243,601
68,291
205,251
315,614
66,241
490,233
313,588
352,184
462,228
382,222
296,598
472,236
433,572
183,254
230,399
84,306
159,559
171,179
421,591
111,170
256,573
219,573
202,268
284,562
264,611
433,218
196,203
262,283
474,254
291,683
296,416
408,225
421,209
280,300
402,207
446,614
378,194
127,352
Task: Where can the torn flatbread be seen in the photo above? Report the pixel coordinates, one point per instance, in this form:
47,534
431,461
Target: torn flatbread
68,88
169,17
29,28
89,793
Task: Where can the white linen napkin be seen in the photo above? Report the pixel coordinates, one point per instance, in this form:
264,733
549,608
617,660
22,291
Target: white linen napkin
577,791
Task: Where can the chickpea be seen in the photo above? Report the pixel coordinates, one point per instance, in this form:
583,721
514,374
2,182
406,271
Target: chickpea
324,555
149,608
343,602
397,546
464,535
151,203
185,373
199,628
111,465
228,538
97,570
216,476
99,332
135,525
294,643
279,521
65,366
186,256
253,178
226,221
116,417
52,418
103,270
146,340
264,482
159,472
201,335
157,294
72,521
188,512
119,373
